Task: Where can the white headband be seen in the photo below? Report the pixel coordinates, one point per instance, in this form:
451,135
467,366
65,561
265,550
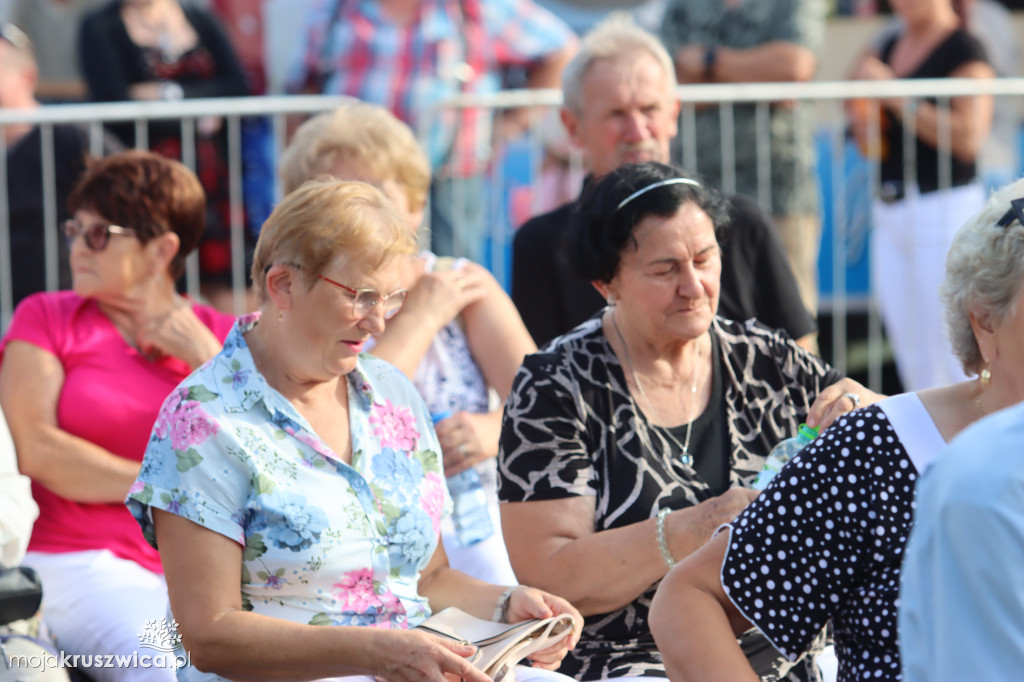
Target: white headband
656,185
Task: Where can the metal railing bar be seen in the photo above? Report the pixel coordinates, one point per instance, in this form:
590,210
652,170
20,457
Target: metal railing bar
688,140
51,235
773,92
116,112
95,139
945,146
728,141
6,271
762,123
237,214
188,159
840,236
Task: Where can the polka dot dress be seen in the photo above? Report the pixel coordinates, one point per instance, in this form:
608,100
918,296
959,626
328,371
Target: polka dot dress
825,540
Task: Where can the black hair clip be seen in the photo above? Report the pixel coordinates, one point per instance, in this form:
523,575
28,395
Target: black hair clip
1016,212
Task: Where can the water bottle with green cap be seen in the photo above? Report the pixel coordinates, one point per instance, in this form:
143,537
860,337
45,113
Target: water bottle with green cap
469,499
782,453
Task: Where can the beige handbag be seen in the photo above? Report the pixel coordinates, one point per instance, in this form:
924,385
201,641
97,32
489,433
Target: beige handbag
500,646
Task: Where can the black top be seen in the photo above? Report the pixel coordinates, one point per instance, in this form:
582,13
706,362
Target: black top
756,278
958,49
25,197
111,62
572,429
825,541
709,435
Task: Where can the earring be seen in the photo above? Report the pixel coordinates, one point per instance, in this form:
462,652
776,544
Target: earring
985,377
280,315
611,301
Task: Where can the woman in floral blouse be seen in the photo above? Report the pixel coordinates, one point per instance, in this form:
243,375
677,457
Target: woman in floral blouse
293,482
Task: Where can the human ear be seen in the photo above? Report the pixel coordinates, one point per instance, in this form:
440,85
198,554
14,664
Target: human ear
573,127
165,247
606,290
280,286
984,336
675,107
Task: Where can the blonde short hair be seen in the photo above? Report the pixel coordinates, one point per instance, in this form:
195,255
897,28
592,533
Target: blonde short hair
615,37
367,134
984,274
325,219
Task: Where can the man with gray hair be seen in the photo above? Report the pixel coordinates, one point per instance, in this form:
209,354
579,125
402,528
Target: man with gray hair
620,107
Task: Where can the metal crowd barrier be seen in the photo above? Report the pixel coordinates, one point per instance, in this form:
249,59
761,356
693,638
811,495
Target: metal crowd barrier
829,118
829,121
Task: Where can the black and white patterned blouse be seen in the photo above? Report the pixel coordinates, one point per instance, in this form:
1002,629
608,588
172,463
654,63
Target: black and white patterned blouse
572,429
825,540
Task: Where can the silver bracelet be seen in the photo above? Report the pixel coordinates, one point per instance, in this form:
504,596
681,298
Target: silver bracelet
501,608
662,542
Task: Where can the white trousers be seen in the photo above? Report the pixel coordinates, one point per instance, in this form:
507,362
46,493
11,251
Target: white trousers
95,603
487,560
908,264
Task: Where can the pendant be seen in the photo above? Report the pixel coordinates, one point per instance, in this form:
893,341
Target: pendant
687,459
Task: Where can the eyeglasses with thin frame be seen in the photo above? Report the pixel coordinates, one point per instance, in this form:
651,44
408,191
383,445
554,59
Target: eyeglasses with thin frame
1016,212
97,235
364,301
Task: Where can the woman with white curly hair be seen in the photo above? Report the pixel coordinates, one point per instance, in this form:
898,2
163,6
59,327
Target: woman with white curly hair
825,540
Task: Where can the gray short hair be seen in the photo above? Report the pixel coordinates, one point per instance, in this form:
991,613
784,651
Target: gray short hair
615,36
984,274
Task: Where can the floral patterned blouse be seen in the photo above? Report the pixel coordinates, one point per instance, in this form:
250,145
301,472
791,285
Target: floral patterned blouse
326,542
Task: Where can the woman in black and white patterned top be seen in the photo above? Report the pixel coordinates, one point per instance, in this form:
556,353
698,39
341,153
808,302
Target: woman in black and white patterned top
825,540
655,405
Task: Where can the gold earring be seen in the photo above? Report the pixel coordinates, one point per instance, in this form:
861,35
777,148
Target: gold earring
280,315
985,377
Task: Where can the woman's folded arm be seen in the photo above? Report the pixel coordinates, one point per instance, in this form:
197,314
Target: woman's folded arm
72,467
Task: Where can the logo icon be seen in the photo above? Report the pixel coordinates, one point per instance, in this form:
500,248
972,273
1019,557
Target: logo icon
160,635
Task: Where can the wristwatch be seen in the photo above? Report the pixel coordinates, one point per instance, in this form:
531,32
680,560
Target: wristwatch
501,608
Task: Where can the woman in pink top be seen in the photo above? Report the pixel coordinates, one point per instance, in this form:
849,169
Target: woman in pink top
84,373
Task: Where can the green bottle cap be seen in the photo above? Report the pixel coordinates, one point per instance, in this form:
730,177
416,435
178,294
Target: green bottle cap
808,433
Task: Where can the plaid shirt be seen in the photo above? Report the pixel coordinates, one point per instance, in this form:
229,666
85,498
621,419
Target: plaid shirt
455,46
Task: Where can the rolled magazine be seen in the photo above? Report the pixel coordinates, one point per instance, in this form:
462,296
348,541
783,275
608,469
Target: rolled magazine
500,646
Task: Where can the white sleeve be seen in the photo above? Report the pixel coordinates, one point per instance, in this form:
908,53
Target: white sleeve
961,614
17,508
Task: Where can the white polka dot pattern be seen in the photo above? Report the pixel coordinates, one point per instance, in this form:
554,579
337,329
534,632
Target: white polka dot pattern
825,540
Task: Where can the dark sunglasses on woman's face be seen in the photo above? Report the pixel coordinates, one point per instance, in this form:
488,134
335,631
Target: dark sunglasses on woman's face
96,235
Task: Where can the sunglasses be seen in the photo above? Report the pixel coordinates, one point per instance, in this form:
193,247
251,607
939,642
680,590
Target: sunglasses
96,235
1016,212
365,300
